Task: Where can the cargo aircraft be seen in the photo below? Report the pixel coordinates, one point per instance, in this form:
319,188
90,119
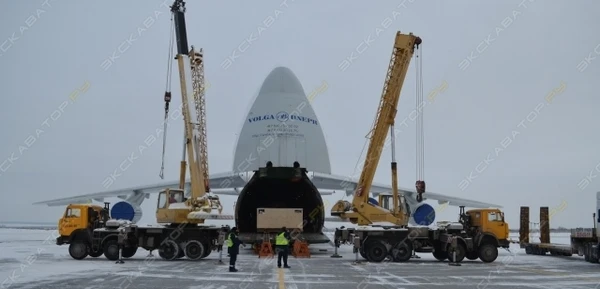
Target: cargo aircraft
282,128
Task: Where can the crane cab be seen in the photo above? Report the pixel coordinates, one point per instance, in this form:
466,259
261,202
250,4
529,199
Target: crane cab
172,208
386,201
170,196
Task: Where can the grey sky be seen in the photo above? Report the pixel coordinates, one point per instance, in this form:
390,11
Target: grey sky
533,48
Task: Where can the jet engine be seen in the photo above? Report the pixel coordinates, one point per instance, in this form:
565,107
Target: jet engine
421,214
126,211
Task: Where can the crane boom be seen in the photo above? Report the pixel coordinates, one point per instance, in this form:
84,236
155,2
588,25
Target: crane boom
360,210
198,206
190,99
198,86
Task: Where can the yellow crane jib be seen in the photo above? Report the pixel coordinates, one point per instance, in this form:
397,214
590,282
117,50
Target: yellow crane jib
360,211
173,206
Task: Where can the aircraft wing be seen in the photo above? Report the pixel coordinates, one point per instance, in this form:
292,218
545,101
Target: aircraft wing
126,193
221,184
227,181
333,182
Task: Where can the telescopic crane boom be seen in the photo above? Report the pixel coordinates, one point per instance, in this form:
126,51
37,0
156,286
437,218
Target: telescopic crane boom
173,207
360,211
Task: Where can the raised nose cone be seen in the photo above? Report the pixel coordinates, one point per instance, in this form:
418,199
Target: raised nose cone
281,127
281,80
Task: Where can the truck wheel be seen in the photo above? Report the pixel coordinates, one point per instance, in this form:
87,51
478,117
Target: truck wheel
488,253
194,250
439,254
402,252
362,253
376,251
460,253
473,255
129,252
169,250
586,252
207,249
111,250
95,254
78,250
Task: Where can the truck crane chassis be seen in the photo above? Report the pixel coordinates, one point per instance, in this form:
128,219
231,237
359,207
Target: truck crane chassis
172,242
379,242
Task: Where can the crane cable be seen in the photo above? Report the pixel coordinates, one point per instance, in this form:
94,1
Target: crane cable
420,139
167,95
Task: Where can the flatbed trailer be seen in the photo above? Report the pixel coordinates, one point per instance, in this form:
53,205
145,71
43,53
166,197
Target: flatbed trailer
583,241
378,242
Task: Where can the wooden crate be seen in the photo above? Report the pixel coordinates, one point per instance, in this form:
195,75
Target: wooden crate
275,218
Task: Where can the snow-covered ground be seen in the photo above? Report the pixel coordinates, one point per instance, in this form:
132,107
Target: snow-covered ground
30,257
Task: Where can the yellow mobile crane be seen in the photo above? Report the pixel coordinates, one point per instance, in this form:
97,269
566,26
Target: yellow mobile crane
360,211
89,231
479,233
173,208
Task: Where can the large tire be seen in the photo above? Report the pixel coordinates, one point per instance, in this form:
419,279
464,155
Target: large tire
95,254
586,252
439,254
402,252
473,255
129,252
376,251
78,250
169,250
194,250
111,250
362,253
488,253
207,250
460,253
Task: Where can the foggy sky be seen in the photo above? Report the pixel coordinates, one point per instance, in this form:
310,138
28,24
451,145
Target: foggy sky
497,132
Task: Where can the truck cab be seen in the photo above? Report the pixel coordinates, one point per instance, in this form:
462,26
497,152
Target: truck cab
488,222
79,217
